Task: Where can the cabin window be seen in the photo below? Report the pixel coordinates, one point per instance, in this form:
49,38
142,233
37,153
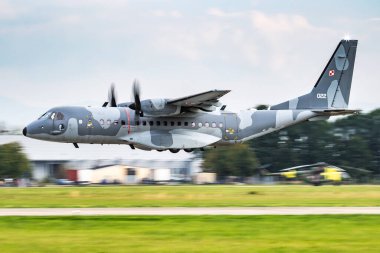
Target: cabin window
200,124
165,123
150,123
144,123
137,123
192,124
207,124
221,125
116,122
101,122
186,123
123,122
213,124
172,123
158,123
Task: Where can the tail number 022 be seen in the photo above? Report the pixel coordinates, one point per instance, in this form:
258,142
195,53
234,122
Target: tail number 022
321,95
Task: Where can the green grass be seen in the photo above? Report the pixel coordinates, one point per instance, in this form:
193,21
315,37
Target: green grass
330,233
191,196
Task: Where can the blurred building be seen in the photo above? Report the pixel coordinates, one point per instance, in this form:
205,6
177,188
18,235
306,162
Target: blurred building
124,174
204,178
96,163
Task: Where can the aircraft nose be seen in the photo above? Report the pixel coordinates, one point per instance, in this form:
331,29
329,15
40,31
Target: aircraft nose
24,131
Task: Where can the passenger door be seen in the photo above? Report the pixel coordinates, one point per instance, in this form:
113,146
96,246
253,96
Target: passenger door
230,127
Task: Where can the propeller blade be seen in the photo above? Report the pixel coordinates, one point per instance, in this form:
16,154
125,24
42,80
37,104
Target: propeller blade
136,96
112,100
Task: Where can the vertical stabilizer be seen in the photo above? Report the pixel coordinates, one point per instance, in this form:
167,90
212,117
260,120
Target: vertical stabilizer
332,90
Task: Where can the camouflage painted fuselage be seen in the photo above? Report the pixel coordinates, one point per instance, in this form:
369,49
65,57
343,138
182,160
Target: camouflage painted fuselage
108,125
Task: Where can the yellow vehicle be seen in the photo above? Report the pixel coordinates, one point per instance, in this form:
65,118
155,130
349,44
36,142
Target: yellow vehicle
316,174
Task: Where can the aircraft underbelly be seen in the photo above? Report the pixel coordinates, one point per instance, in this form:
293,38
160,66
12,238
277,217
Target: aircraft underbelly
174,139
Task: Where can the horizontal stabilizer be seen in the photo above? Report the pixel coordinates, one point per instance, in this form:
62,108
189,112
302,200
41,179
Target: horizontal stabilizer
335,112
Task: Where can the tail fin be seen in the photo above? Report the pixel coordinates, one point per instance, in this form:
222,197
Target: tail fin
332,90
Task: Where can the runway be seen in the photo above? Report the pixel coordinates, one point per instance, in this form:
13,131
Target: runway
187,211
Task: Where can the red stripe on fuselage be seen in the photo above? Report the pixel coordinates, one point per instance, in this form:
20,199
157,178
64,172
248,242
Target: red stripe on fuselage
128,120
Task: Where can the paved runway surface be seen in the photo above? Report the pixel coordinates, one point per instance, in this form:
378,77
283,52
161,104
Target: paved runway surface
188,211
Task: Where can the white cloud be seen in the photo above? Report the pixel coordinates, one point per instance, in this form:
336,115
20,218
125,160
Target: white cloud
279,22
69,20
163,13
222,14
185,45
91,3
175,14
279,31
9,11
158,13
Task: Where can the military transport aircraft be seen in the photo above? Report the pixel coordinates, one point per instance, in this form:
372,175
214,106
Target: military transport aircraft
197,121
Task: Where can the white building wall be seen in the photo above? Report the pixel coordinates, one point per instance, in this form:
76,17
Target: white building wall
85,175
140,174
40,171
161,175
109,174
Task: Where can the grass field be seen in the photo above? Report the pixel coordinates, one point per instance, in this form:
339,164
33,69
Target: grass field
331,233
190,196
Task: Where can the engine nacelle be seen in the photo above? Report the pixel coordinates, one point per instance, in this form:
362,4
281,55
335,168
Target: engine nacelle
158,107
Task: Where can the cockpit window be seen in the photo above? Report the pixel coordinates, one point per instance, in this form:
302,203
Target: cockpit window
59,116
45,115
52,115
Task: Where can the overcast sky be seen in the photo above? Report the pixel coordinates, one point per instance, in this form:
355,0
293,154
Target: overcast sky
67,52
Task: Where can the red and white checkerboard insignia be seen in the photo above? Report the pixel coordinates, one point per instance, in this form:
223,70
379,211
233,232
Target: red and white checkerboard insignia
331,72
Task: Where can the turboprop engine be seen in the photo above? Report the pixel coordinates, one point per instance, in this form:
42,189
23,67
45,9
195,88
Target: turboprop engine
158,107
148,107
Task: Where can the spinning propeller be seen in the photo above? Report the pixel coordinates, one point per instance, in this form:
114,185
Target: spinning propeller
135,105
136,97
112,100
112,96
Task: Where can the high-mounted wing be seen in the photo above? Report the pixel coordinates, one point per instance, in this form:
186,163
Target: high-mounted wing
206,100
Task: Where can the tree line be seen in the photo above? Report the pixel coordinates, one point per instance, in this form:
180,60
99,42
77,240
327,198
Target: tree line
13,162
